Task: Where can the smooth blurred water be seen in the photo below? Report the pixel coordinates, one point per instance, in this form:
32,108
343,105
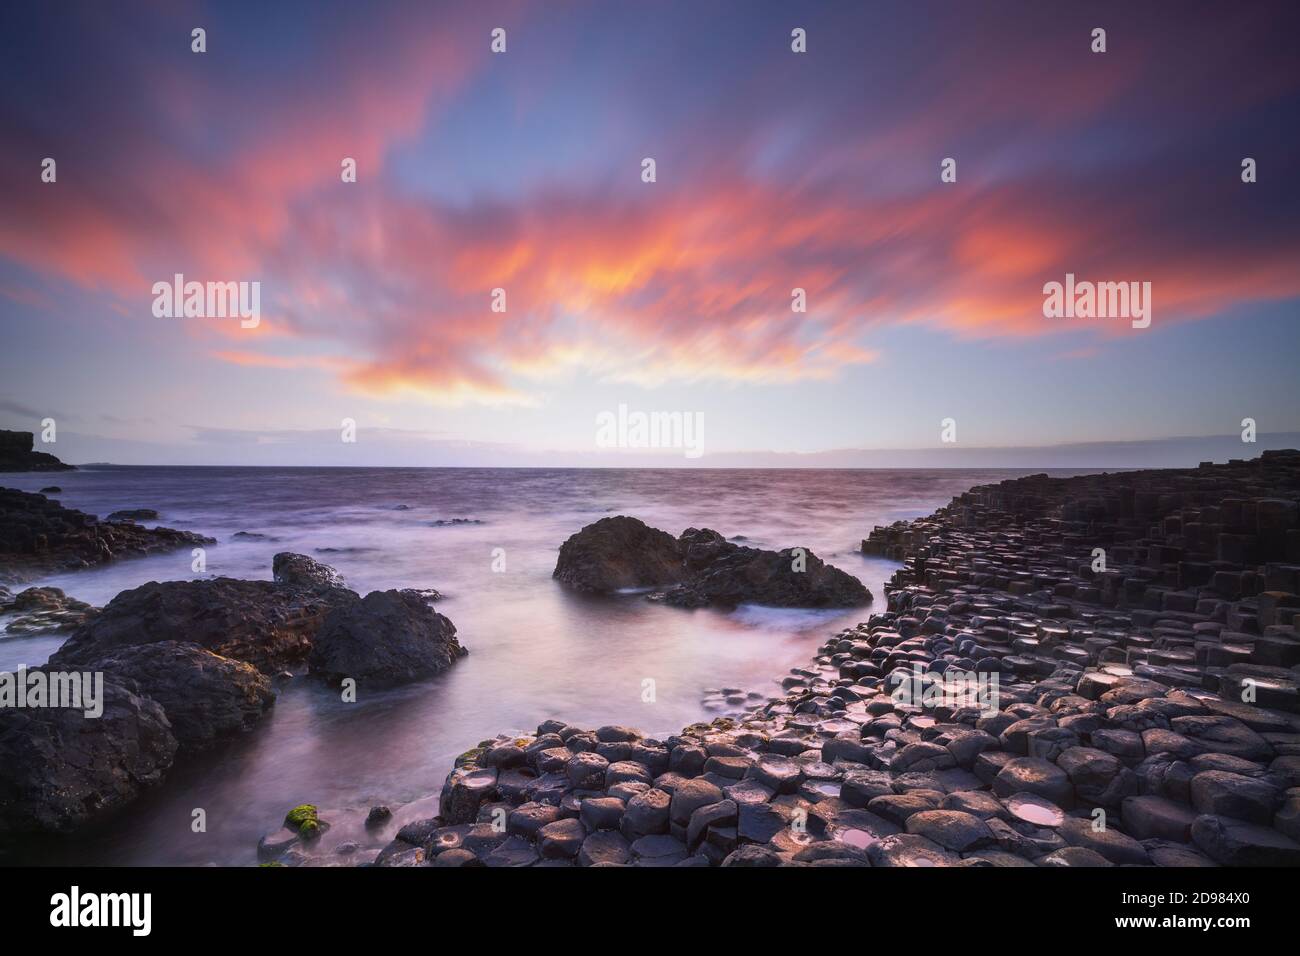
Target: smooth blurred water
537,651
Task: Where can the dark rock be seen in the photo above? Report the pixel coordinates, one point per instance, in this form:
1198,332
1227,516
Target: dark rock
45,611
658,850
1154,817
690,796
721,814
60,771
16,454
562,839
601,813
605,846
760,822
586,771
1235,843
701,567
268,625
1107,841
951,829
303,571
455,858
207,698
619,552
513,851
1032,775
385,639
1074,857
910,849
752,855
1232,795
646,814
465,791
39,536
133,514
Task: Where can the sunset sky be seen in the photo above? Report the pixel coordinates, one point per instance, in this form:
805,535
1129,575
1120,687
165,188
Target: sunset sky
522,170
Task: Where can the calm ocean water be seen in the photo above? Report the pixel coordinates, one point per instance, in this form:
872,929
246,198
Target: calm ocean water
536,650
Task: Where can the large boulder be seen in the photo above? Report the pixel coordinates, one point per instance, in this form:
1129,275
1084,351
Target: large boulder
61,770
619,552
700,568
207,698
268,625
386,638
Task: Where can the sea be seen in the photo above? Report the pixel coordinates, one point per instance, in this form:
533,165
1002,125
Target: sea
487,539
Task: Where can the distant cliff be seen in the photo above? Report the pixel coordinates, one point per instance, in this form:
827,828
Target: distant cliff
16,454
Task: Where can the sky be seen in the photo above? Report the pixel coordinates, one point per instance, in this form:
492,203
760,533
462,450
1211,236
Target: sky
774,170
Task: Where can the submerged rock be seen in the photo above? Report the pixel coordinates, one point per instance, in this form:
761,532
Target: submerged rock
133,514
45,611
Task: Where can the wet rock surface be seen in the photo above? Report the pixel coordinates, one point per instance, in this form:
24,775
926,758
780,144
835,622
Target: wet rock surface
40,536
188,665
207,698
1017,704
43,611
266,624
61,771
386,638
700,569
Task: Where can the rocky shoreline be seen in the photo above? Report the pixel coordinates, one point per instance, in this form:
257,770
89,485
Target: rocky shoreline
1137,640
39,536
185,666
17,454
1093,671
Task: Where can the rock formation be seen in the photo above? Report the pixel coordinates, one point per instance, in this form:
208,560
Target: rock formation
40,536
187,665
1136,708
700,568
16,454
386,638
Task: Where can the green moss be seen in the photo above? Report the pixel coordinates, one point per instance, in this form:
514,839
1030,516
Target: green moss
300,816
310,829
470,757
272,863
